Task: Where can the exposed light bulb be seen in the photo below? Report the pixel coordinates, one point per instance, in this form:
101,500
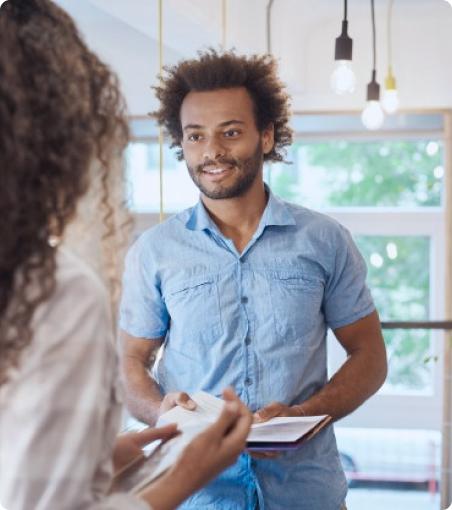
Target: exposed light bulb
449,2
343,78
390,101
373,116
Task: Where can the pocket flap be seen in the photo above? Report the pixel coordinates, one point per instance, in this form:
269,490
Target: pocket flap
190,283
295,277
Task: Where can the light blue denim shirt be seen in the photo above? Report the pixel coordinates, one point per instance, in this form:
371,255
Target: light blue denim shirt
256,321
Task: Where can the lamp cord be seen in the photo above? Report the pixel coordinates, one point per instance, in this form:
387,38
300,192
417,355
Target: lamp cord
224,14
269,31
374,42
269,51
345,10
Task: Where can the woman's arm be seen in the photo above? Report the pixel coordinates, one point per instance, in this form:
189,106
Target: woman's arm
205,457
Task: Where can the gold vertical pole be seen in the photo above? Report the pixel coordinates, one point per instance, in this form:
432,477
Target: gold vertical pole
446,472
224,20
160,32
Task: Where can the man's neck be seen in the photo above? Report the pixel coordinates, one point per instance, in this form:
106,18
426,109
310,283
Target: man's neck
238,218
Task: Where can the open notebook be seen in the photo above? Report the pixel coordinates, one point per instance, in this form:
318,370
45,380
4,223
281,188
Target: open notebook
283,433
276,434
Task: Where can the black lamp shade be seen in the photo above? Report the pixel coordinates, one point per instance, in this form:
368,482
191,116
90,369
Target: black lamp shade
344,44
373,88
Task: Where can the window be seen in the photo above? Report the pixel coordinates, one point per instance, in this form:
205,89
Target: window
142,159
342,173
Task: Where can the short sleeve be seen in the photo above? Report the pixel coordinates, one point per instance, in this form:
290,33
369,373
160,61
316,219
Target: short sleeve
347,297
143,313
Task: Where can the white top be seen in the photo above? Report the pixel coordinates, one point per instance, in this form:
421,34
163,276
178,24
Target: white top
60,410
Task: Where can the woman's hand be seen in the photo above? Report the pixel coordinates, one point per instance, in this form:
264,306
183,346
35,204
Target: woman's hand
209,453
219,445
129,446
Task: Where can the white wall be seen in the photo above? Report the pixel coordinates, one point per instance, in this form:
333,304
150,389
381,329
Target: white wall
124,34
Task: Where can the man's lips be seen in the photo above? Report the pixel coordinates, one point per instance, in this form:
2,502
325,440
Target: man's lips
217,169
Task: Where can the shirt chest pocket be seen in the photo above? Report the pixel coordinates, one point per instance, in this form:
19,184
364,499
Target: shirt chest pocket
296,301
194,309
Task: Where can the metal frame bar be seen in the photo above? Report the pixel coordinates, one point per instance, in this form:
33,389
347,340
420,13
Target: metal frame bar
443,325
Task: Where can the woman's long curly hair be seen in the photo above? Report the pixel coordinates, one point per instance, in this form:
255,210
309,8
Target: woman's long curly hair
213,70
60,108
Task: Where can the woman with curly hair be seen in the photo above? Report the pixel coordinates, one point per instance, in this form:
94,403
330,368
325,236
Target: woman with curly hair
60,110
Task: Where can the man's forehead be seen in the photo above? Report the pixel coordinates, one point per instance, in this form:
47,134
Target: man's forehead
217,106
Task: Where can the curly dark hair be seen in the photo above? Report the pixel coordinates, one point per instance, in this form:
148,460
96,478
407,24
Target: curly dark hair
213,71
60,108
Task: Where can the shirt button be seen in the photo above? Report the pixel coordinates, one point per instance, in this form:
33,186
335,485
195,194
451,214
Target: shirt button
247,340
244,300
248,381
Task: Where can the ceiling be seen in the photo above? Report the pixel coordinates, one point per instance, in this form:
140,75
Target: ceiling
125,34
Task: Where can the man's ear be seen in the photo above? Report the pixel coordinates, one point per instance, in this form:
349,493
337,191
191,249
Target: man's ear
268,138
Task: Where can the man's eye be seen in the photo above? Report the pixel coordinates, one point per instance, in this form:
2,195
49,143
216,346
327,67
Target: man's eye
230,133
194,137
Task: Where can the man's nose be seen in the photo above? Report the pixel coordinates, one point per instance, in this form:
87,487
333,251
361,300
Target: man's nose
213,150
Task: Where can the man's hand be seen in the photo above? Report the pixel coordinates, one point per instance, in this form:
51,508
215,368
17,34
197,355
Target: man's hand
268,412
276,409
129,446
218,446
177,398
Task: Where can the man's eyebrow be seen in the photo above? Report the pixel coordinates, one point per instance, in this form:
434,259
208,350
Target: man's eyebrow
233,121
192,126
222,124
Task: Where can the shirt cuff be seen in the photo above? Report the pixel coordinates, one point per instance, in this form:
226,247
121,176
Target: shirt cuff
352,318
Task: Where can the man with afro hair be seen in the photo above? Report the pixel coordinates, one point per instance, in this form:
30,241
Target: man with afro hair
241,289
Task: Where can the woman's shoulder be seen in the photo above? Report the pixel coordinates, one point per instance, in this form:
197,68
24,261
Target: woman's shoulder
78,305
72,326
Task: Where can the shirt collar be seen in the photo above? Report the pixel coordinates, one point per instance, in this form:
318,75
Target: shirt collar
276,212
199,218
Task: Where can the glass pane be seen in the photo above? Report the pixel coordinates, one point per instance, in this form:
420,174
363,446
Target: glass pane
142,159
389,468
389,173
399,278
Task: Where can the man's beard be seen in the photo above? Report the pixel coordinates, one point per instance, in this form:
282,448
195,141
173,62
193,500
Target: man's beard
246,172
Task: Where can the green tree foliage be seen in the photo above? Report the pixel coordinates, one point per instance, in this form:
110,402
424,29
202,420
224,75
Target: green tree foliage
400,287
388,173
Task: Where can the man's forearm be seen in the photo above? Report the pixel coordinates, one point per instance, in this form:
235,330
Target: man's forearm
357,379
143,396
